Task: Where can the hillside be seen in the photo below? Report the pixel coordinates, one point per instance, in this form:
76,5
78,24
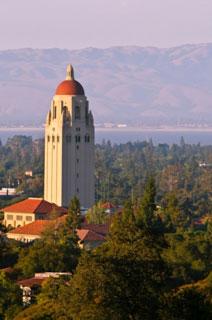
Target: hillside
124,84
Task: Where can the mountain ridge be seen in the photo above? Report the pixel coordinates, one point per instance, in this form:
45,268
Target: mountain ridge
149,85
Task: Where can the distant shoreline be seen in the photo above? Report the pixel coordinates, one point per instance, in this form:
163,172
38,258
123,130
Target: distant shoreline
9,129
112,129
153,129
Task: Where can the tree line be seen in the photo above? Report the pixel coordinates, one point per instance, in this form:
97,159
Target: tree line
144,270
156,262
121,171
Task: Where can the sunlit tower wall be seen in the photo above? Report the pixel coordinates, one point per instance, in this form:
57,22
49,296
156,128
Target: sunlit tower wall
69,146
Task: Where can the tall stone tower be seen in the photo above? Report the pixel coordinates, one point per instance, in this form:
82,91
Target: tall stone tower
69,146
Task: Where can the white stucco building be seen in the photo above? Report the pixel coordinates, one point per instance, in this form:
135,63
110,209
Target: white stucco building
69,146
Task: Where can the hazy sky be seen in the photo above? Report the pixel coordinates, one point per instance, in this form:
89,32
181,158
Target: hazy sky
102,23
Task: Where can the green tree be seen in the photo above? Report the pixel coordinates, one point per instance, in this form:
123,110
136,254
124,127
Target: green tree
51,302
189,255
56,251
187,304
122,278
50,310
9,250
73,220
97,214
10,298
147,210
52,288
147,217
173,213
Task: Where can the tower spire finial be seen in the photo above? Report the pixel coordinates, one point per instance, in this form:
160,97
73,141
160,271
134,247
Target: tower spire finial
70,72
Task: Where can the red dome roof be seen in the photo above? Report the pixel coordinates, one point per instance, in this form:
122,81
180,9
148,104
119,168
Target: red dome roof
70,87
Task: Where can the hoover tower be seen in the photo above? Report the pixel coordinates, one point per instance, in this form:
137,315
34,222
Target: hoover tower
69,146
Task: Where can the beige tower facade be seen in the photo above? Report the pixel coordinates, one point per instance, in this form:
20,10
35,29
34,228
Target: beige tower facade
69,146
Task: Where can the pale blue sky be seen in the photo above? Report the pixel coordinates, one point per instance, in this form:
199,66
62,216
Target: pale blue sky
76,24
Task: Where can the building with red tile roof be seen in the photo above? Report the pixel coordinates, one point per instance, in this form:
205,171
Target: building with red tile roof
30,287
90,235
29,210
30,231
102,229
89,239
30,282
108,207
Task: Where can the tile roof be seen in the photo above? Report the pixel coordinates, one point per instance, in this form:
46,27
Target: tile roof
40,277
30,282
34,228
7,270
89,235
34,205
108,205
102,229
88,232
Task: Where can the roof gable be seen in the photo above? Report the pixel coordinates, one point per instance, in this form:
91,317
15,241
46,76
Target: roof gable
26,206
34,205
89,235
102,229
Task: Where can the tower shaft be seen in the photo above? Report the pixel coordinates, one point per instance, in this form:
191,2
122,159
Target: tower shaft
69,147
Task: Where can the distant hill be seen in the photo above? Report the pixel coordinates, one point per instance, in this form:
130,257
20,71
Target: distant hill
124,84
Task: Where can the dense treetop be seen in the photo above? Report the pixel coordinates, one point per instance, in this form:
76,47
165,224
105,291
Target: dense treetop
157,259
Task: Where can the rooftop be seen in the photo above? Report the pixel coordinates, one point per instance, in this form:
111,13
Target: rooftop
89,235
34,205
30,282
70,86
88,232
35,228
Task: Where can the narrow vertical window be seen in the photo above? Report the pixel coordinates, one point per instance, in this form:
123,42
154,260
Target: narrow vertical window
87,138
54,112
77,113
77,138
86,114
68,138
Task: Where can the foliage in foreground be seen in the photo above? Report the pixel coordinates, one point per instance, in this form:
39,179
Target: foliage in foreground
56,251
10,298
129,277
